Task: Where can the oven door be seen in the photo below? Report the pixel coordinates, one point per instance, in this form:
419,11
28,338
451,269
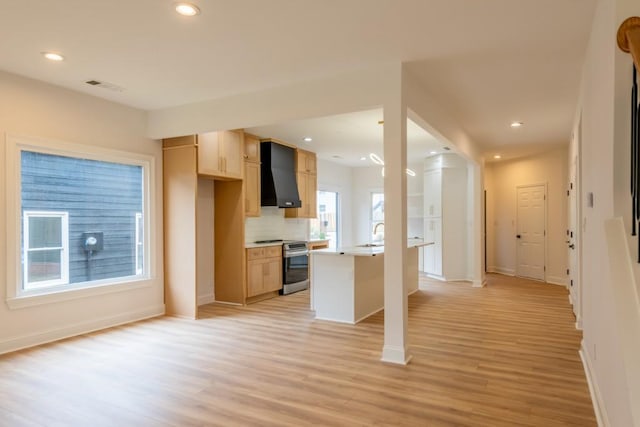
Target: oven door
295,268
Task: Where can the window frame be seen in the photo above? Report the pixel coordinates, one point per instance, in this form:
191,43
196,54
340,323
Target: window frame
16,296
374,222
64,249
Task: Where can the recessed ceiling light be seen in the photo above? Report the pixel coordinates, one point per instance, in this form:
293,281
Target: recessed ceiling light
433,152
497,156
52,56
410,172
375,159
516,124
307,139
187,9
363,158
335,156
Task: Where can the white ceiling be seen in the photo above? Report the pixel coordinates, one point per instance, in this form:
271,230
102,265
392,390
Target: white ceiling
346,138
487,62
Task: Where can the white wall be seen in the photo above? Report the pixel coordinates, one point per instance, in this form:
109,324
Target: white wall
604,100
501,180
271,224
32,108
339,178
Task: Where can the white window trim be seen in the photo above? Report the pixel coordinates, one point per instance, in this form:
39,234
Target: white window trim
136,248
15,297
64,250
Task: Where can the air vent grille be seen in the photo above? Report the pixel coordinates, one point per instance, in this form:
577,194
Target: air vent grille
105,85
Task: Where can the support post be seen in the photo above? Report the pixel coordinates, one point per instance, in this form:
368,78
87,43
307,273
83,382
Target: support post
396,348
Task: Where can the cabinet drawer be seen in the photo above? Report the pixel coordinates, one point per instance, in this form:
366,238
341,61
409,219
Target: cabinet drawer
255,253
273,251
264,252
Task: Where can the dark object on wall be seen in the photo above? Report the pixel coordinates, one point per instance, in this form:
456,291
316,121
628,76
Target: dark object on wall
93,241
635,158
278,176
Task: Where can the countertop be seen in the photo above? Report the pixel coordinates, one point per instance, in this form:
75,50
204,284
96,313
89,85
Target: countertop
264,245
367,250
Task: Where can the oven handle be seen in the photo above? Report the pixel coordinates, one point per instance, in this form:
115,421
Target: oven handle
295,254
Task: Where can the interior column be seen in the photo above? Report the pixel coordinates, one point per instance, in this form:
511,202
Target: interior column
396,348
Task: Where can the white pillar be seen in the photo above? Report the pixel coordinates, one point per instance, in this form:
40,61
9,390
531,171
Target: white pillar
396,348
476,238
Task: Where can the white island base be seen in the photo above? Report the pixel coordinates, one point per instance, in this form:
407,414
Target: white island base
348,286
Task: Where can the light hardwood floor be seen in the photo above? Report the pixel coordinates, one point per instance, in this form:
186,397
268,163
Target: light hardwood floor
504,355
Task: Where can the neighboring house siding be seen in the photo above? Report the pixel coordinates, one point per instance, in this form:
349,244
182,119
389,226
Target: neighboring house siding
99,197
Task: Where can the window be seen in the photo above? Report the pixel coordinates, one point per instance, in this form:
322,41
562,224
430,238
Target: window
77,218
45,244
325,226
377,217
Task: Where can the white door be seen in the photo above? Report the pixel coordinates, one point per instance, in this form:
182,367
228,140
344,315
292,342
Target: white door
572,239
530,232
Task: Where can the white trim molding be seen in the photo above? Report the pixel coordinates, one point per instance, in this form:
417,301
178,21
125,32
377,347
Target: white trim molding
556,280
396,355
596,397
206,299
25,341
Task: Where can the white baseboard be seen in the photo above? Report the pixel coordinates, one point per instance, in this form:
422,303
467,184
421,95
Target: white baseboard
500,270
555,280
594,390
206,299
478,283
395,355
31,340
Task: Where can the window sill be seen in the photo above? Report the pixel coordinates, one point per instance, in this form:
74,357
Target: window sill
24,301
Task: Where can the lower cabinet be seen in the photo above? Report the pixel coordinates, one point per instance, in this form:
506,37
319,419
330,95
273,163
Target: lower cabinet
264,270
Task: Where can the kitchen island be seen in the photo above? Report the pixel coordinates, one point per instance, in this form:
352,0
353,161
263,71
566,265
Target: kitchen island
347,284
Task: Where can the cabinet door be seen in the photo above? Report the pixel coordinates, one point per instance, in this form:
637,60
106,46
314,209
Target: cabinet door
433,193
232,152
255,277
272,271
306,161
251,148
312,196
251,188
209,154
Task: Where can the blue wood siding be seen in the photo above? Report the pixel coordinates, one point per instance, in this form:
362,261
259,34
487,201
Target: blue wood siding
98,196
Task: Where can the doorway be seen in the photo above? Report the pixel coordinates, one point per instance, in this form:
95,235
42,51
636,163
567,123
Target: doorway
531,231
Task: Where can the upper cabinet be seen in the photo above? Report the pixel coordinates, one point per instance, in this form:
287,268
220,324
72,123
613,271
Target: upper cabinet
251,176
220,154
307,186
305,161
251,148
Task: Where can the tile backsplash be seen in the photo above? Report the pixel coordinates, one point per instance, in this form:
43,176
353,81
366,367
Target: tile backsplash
273,225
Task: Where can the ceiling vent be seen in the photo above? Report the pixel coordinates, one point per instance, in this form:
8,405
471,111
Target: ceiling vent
105,85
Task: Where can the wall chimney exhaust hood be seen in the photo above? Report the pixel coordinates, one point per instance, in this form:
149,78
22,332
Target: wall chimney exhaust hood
278,176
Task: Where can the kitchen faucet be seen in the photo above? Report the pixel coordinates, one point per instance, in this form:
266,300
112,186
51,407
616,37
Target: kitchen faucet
375,228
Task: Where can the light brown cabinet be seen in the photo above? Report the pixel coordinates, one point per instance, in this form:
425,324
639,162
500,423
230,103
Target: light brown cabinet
187,189
251,176
306,161
251,148
307,186
220,154
264,270
251,189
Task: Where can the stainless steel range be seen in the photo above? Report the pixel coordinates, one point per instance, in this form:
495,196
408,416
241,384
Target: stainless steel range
295,266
